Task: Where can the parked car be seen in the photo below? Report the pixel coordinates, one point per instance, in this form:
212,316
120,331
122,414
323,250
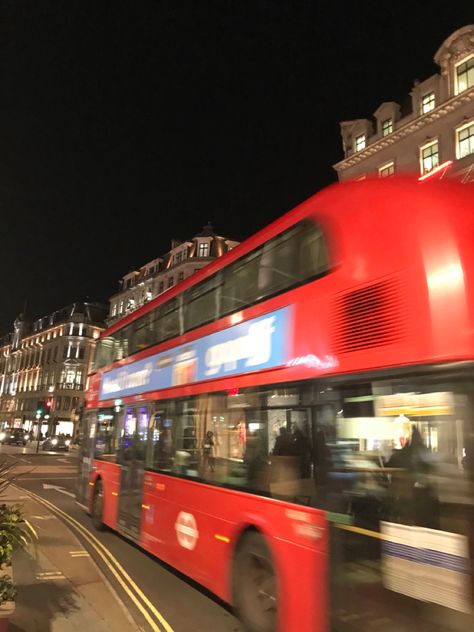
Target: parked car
56,443
14,436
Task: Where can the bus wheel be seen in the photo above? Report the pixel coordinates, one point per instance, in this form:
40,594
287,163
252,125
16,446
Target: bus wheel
255,584
97,508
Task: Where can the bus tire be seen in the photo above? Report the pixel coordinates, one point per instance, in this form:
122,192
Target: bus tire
97,506
255,584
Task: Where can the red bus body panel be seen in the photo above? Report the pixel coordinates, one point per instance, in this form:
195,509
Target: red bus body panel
412,243
297,537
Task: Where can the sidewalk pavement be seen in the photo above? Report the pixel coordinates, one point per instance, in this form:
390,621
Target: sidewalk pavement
60,588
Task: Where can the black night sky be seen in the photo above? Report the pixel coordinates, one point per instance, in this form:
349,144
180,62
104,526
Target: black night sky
124,123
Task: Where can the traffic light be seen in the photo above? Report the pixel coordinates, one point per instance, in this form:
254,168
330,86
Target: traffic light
48,403
40,408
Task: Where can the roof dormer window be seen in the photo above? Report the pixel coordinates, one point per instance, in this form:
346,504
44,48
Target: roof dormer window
203,250
464,77
360,142
387,127
428,103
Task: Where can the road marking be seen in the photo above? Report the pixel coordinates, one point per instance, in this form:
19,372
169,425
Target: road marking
44,517
61,490
118,571
43,477
81,553
50,576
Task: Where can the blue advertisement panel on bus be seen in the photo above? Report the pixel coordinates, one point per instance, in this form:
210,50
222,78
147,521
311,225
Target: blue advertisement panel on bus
257,344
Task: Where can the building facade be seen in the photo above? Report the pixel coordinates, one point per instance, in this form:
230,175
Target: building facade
183,259
48,360
435,135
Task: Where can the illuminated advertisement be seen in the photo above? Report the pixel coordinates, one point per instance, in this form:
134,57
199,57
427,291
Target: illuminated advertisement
257,344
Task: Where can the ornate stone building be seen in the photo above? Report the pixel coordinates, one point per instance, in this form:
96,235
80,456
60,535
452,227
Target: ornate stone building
434,136
48,360
155,277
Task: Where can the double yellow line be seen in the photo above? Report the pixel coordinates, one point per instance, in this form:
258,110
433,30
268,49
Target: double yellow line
154,618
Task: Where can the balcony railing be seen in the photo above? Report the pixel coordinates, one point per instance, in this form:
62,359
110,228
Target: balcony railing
69,386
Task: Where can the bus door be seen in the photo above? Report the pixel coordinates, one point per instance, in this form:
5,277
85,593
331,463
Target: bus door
131,457
86,434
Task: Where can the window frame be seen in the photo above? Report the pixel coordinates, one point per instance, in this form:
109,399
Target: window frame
386,127
384,167
466,60
426,100
457,132
358,148
424,147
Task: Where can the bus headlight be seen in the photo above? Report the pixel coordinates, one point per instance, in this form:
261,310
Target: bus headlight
68,442
26,437
54,441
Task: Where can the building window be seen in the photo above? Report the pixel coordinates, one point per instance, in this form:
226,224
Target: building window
203,250
161,287
387,170
170,282
427,103
387,127
178,258
180,276
360,142
429,156
465,75
465,141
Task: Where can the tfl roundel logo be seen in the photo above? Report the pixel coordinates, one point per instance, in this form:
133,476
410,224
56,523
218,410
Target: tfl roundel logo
186,530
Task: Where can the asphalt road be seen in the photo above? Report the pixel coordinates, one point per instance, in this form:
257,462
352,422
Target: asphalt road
157,597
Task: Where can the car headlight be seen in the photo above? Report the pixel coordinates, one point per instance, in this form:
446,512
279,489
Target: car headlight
54,441
27,436
68,442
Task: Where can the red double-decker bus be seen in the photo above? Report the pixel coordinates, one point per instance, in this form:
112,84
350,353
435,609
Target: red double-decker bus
293,426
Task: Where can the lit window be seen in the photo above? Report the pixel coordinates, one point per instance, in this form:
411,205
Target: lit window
465,75
465,141
360,142
203,250
387,127
427,103
387,170
120,307
429,157
114,309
